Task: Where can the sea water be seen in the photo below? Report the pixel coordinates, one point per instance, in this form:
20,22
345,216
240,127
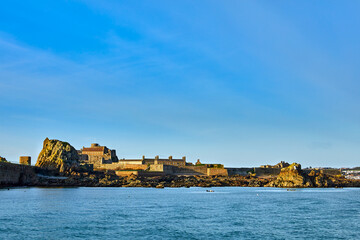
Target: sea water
179,213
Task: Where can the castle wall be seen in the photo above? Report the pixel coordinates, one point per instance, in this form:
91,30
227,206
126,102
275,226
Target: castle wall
119,166
141,164
113,156
148,161
167,161
259,171
217,171
97,161
173,162
182,170
157,167
131,161
239,171
15,174
190,170
167,169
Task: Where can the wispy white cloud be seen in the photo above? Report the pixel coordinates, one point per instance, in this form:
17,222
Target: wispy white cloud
235,77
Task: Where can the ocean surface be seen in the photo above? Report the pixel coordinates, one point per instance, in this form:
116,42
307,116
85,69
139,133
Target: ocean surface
179,213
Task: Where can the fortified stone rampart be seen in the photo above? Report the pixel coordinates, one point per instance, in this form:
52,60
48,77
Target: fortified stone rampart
170,161
167,169
217,172
191,170
187,170
183,170
132,161
239,171
15,174
121,166
258,171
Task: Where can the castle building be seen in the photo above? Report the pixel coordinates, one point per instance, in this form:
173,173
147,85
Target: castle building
97,155
102,158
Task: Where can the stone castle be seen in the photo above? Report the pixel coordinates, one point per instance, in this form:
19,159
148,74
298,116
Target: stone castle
103,158
97,155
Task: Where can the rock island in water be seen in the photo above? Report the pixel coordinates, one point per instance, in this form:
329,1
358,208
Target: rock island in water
60,164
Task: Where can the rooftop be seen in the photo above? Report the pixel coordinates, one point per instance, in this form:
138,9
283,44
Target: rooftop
93,149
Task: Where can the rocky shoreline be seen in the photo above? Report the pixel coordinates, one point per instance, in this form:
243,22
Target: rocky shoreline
58,166
101,179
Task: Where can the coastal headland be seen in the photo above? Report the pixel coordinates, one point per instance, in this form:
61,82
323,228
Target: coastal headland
60,165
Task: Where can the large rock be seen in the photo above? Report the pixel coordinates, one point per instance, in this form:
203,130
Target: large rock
290,177
58,155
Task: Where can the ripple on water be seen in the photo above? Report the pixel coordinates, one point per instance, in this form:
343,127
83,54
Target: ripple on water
181,213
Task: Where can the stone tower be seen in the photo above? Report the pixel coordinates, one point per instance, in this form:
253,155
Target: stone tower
25,160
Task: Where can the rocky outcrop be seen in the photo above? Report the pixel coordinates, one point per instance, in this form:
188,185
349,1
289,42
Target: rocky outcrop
2,159
292,177
59,156
320,179
22,175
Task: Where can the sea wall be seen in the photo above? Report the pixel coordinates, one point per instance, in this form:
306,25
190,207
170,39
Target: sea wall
190,170
15,174
121,166
167,169
239,171
217,172
179,170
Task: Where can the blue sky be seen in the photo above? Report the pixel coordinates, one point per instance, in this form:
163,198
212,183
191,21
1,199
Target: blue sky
242,83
